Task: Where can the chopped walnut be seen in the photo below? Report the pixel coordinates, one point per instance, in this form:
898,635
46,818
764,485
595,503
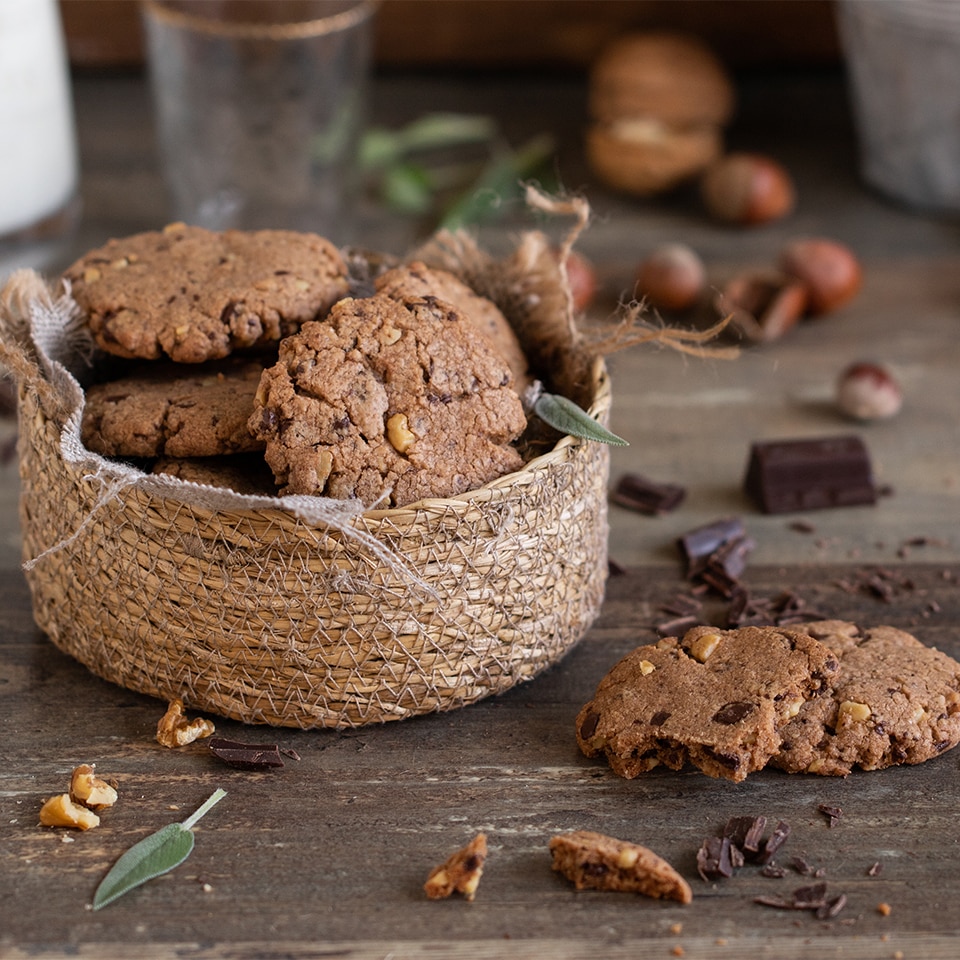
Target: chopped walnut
61,811
175,730
87,788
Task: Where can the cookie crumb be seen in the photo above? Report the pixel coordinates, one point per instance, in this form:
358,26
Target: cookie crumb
677,951
460,873
676,929
884,909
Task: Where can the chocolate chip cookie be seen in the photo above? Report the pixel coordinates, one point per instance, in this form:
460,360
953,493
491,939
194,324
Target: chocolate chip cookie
594,860
893,701
242,472
715,698
194,295
172,410
418,280
390,400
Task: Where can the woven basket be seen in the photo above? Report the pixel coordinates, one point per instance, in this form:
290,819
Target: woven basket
256,614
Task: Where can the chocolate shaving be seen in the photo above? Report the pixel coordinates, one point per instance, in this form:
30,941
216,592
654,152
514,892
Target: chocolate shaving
775,841
813,897
715,858
638,493
773,870
246,756
832,813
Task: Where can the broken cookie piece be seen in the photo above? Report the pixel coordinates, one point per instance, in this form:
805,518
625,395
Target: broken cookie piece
894,701
596,861
715,698
460,873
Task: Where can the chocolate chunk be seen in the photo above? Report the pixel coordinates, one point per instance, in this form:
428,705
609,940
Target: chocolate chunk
715,858
731,713
789,475
832,813
246,756
775,841
638,493
697,545
746,832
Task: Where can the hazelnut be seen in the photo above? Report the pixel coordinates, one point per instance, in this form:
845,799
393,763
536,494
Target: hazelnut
747,189
581,279
763,307
672,277
830,271
867,391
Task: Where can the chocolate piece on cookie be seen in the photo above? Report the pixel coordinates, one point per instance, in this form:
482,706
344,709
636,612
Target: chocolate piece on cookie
396,398
418,280
717,699
894,701
242,472
195,295
596,861
171,410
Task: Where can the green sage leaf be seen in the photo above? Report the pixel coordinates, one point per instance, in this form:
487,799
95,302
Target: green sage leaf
156,854
564,415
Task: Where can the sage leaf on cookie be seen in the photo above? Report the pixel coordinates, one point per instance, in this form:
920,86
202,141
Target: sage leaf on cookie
564,415
154,855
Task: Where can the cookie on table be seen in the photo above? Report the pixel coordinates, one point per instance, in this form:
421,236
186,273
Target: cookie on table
715,698
894,701
596,861
242,473
194,295
172,410
388,400
460,873
418,280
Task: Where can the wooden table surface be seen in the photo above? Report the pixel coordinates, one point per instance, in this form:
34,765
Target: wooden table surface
326,857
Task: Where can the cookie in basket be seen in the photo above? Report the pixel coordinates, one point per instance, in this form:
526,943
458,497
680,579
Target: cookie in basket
168,409
389,399
245,473
193,295
418,280
894,701
715,698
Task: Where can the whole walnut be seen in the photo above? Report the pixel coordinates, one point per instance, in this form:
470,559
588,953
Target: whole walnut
659,102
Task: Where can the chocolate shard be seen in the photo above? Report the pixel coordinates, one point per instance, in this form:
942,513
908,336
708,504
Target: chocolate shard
715,858
636,492
246,756
785,476
775,841
699,544
746,832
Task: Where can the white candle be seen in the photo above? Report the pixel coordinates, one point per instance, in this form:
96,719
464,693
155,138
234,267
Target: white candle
38,152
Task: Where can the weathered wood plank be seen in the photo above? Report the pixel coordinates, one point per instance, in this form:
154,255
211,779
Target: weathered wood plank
335,846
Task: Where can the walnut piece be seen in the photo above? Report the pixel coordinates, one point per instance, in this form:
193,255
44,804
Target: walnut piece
87,788
61,811
175,730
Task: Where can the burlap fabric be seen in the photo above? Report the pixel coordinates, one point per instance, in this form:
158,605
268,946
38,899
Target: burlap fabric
300,611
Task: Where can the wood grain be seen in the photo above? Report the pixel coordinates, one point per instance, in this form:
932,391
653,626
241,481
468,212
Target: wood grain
334,847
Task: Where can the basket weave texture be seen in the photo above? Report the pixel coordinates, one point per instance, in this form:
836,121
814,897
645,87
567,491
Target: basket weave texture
252,609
